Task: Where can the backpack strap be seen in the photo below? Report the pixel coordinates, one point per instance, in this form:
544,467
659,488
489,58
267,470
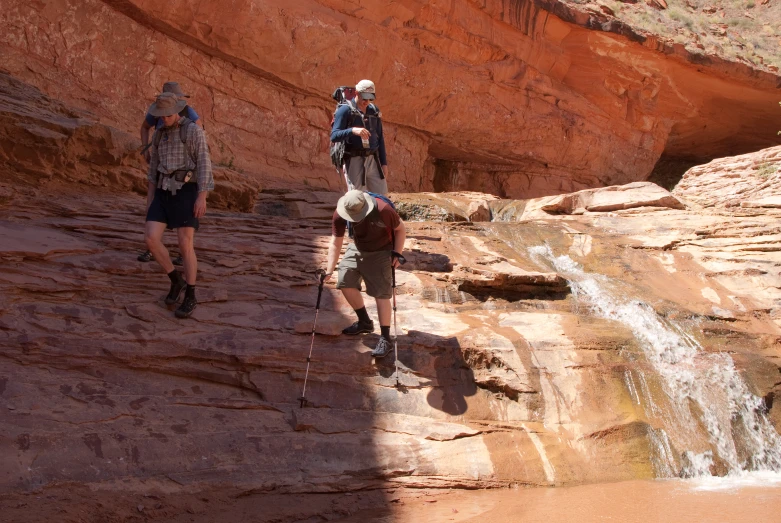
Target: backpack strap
355,112
184,123
387,200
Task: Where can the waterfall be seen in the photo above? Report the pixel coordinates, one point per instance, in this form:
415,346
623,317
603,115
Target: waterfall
706,396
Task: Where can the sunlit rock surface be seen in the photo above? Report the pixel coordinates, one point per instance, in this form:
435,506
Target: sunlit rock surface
517,99
549,341
511,369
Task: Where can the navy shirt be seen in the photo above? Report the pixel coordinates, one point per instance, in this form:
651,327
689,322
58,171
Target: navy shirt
344,121
157,122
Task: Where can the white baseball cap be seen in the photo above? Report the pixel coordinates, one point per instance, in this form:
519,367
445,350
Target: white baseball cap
366,89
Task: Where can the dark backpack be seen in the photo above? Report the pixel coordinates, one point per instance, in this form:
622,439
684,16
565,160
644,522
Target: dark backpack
343,96
184,123
387,200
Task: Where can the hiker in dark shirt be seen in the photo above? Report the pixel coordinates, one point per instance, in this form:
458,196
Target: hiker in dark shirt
378,232
358,123
155,122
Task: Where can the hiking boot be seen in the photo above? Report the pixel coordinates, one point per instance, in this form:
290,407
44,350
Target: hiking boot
176,289
359,327
145,257
382,349
187,307
178,261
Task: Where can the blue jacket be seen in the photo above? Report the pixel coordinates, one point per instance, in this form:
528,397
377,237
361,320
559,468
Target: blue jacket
344,121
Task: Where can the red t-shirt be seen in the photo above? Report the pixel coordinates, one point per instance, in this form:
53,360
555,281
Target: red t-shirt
374,232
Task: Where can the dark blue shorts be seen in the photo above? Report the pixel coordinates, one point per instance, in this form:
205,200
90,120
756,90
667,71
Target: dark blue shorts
175,211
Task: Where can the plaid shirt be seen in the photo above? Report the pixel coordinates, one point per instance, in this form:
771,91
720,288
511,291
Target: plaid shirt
171,156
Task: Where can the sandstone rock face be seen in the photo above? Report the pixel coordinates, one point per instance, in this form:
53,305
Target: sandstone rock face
605,335
519,100
750,180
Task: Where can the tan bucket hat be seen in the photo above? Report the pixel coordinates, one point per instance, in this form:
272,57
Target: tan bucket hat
174,87
167,104
355,205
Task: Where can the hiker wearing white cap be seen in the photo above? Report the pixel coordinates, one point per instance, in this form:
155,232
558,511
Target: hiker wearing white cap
180,176
378,240
358,123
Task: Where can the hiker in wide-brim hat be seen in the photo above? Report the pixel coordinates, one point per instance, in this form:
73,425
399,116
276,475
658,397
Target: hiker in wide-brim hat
378,235
179,179
152,122
167,104
174,87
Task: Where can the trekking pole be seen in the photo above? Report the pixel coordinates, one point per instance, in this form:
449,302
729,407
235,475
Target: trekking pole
321,274
402,261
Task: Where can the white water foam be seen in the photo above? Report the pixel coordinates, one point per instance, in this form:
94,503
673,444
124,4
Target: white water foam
704,389
756,478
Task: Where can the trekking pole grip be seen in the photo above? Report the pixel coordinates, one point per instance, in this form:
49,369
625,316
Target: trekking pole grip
321,274
398,256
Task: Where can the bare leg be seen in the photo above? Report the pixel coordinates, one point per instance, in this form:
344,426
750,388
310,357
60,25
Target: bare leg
353,297
384,311
153,235
186,237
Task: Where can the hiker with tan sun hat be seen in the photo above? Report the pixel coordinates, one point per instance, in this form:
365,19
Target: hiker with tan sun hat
179,179
154,122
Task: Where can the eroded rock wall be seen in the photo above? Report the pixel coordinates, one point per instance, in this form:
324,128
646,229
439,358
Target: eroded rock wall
502,97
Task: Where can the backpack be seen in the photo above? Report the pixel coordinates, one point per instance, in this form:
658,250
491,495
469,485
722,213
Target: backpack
387,200
184,124
343,96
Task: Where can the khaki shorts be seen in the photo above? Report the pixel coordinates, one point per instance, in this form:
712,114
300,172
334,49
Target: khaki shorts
356,167
373,268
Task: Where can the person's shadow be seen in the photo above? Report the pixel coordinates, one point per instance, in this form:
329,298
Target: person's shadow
431,361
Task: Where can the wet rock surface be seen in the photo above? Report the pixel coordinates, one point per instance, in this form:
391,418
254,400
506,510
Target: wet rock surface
503,378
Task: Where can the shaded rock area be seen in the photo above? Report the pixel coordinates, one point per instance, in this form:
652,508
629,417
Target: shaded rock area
516,99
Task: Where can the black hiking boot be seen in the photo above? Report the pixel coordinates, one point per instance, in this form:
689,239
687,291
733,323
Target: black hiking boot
187,307
359,327
178,261
382,349
145,257
176,289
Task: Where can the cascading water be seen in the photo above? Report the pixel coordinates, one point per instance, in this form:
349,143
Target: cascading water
705,392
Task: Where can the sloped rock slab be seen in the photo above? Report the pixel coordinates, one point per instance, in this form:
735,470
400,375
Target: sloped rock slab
614,198
33,241
331,421
511,282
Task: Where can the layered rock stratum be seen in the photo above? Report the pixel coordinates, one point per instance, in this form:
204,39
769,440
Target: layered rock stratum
519,99
527,340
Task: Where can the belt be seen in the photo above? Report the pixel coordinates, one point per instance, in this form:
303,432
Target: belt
362,152
181,175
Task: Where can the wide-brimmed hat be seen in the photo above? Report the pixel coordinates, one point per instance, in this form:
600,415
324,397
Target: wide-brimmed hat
174,87
167,104
365,89
355,205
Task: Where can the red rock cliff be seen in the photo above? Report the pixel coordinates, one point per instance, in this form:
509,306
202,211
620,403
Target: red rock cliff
503,97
